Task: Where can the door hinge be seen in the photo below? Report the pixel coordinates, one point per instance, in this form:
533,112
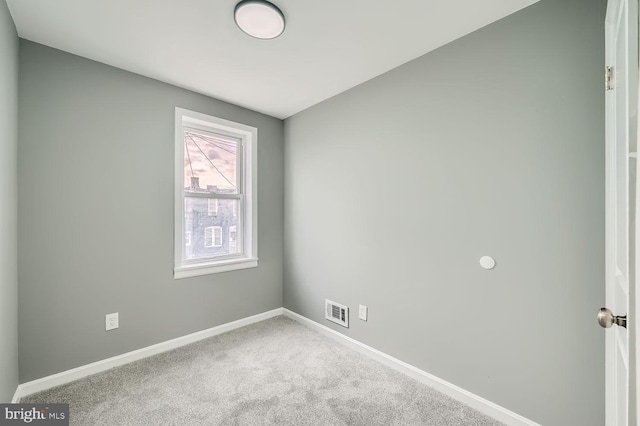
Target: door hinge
608,78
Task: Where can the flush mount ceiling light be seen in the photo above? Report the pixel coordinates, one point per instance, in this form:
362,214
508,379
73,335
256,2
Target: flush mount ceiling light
259,18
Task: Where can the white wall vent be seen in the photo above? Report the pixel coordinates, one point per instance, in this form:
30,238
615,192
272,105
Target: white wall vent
337,313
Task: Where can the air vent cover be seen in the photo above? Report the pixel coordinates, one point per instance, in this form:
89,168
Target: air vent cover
337,313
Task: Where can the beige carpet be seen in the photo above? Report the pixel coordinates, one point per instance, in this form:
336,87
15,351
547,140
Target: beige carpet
276,372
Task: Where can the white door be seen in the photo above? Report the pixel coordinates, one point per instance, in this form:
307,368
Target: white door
621,54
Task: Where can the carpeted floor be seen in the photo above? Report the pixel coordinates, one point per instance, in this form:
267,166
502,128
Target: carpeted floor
276,372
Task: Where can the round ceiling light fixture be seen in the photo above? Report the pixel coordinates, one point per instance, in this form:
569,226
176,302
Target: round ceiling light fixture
259,19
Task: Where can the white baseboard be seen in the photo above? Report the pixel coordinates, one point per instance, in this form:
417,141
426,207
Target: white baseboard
106,364
16,396
484,406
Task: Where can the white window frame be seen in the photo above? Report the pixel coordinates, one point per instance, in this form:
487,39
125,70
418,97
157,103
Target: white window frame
248,185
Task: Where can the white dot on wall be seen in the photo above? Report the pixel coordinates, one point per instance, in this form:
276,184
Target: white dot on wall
487,262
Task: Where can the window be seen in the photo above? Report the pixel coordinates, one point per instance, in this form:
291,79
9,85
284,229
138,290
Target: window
232,239
213,236
215,195
212,206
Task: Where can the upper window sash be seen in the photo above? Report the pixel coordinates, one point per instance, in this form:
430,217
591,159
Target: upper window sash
230,137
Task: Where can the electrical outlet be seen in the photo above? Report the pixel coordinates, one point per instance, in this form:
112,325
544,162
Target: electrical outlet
111,321
362,313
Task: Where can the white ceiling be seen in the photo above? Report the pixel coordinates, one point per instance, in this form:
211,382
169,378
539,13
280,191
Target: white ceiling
328,46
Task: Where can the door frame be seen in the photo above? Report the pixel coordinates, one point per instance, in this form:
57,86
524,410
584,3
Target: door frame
633,231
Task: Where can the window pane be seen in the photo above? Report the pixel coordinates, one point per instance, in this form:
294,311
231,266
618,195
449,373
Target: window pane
211,235
210,163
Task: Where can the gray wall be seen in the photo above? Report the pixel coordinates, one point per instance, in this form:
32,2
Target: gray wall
8,205
95,170
490,145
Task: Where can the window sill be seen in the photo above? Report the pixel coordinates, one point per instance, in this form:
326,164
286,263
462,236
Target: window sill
213,268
